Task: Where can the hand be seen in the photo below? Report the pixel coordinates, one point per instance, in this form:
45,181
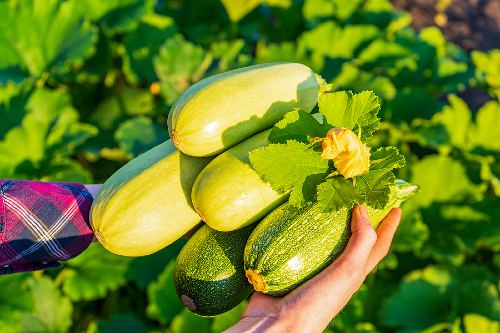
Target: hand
310,307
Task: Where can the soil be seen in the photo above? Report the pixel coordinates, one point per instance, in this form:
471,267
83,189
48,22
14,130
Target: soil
471,24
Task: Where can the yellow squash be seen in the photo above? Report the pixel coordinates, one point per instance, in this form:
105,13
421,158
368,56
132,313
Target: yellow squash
224,109
146,204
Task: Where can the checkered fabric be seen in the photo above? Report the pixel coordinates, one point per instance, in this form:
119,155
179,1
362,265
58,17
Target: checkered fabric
42,223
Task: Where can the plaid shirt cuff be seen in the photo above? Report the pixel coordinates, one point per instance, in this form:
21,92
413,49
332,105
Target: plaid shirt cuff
42,224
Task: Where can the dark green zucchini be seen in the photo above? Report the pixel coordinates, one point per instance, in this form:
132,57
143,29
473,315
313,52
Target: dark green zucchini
209,276
291,245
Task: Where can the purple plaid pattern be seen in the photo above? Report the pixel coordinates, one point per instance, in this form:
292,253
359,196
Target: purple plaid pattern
41,224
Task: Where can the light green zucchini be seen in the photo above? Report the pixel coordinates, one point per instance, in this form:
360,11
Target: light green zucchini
146,204
224,109
229,194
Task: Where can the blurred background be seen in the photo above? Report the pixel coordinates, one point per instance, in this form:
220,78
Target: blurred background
86,85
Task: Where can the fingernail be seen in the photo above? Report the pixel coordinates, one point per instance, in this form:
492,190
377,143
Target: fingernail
362,211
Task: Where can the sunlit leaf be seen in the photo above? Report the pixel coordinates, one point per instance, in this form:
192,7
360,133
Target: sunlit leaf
94,273
441,179
163,301
178,65
49,133
486,132
42,36
228,319
488,70
139,134
188,322
115,16
52,311
237,9
141,45
15,301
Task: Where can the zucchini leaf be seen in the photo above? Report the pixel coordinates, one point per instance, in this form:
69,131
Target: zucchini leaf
94,273
57,38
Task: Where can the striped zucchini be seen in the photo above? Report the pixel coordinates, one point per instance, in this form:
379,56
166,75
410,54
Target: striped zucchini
209,276
291,245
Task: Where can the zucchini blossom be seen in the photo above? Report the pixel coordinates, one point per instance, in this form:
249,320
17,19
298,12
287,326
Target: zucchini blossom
350,156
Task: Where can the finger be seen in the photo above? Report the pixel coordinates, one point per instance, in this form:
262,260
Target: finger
385,234
262,305
320,298
362,240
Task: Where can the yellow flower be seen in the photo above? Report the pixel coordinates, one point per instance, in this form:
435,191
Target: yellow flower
350,156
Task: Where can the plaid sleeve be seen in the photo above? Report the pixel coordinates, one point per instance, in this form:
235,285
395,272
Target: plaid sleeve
42,223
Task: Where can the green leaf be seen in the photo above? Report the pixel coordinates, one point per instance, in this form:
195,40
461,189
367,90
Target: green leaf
237,9
287,51
297,125
412,294
485,132
12,111
144,270
52,312
441,179
114,111
456,119
123,323
455,232
118,107
474,323
410,104
188,322
474,291
59,170
286,166
15,301
337,193
488,70
94,69
115,16
352,77
139,134
228,319
141,45
163,301
357,112
436,295
386,158
93,273
56,39
383,53
347,41
305,192
228,54
412,231
374,187
178,65
49,133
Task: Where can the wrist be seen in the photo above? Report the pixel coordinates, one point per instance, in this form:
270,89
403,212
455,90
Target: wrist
93,189
267,324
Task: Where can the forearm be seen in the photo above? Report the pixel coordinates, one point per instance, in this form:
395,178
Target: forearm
43,223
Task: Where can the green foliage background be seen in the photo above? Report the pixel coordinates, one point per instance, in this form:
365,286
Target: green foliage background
86,85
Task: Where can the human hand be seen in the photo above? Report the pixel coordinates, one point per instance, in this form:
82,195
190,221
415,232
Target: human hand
310,307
